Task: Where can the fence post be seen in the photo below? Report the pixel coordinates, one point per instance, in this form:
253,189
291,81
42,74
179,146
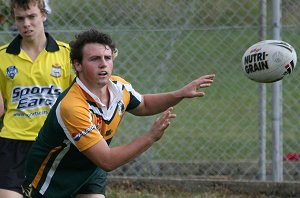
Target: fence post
277,164
262,99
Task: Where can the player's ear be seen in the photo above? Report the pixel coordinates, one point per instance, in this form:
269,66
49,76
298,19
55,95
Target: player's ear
44,18
77,66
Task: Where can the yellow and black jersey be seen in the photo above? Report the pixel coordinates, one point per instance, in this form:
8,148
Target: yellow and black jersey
76,122
30,88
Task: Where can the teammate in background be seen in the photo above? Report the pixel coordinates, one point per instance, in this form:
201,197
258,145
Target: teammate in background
34,70
14,30
74,140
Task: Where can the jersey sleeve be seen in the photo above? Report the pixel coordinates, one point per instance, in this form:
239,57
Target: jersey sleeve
81,126
135,98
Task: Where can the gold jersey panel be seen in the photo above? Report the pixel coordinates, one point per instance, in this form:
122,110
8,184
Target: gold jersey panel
83,118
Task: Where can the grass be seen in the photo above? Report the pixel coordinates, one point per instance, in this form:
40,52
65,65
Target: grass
145,194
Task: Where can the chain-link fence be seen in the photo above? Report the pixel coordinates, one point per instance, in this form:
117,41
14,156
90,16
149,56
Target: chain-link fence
165,44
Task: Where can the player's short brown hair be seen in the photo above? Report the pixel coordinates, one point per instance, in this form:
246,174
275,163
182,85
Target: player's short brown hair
86,37
25,5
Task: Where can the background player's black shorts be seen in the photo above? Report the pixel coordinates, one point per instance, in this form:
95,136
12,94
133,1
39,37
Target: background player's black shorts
13,154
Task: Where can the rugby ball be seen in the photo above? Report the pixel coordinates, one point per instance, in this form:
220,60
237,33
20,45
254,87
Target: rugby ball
269,61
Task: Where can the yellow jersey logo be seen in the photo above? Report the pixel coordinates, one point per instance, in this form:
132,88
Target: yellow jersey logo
56,71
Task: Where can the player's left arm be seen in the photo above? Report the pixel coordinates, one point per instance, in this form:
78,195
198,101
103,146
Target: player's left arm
155,103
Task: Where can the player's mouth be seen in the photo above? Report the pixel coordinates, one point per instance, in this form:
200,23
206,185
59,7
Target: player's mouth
104,73
28,32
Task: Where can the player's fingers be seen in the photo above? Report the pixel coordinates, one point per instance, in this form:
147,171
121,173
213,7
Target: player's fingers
165,125
204,85
207,80
167,113
203,82
209,76
164,119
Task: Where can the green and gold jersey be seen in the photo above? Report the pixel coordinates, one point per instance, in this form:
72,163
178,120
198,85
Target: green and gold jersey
30,88
76,122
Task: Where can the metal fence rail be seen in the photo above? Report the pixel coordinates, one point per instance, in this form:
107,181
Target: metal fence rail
165,44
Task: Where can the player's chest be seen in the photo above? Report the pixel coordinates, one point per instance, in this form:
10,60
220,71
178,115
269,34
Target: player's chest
44,67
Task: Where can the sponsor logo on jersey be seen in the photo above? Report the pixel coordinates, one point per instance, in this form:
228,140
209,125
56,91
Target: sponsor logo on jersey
11,71
34,96
77,136
98,122
56,71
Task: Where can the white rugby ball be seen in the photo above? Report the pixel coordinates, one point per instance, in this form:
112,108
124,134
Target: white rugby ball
269,61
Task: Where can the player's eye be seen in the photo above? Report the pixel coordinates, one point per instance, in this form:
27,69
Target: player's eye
31,16
108,58
19,19
94,58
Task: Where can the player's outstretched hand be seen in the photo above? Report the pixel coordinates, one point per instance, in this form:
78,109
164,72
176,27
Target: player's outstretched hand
161,124
193,88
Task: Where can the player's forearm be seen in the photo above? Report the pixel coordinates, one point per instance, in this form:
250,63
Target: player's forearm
120,155
111,158
157,103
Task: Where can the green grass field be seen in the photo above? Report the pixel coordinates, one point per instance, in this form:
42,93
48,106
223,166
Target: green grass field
130,193
126,194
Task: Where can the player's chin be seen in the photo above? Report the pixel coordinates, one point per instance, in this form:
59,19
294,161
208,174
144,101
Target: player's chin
103,81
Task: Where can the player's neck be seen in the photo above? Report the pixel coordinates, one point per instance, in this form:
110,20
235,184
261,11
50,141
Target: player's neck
104,96
33,47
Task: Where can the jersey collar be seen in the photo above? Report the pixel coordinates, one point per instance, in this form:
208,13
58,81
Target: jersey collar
15,46
115,92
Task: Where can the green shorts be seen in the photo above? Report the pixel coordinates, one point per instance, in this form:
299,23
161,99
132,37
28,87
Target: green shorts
96,184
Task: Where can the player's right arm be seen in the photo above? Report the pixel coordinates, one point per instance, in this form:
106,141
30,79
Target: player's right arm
111,158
